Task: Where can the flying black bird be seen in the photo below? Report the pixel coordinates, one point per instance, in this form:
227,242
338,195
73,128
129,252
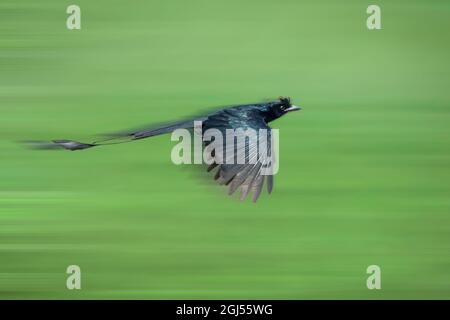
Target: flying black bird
248,176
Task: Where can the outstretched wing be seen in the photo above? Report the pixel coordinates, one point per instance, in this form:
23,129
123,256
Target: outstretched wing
250,175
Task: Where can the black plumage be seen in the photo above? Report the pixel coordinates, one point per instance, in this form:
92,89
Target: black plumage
247,176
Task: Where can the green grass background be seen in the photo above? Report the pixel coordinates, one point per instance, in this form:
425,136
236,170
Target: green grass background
364,168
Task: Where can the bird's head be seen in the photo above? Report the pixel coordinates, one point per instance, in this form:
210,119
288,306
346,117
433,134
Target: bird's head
274,110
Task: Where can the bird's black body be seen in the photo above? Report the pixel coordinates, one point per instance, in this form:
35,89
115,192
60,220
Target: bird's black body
254,116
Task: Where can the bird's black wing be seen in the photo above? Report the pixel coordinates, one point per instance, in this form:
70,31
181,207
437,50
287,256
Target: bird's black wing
250,176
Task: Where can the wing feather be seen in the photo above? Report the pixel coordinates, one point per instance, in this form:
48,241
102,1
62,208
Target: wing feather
248,176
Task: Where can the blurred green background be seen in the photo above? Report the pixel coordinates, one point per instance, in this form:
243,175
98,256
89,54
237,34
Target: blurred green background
364,169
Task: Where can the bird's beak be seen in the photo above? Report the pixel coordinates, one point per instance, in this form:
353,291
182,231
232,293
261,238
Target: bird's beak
293,108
